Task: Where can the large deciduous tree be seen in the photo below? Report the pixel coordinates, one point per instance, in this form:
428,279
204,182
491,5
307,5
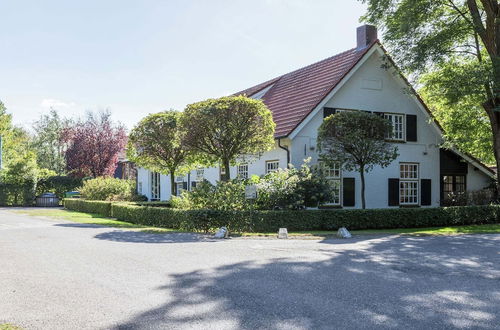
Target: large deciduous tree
220,130
458,39
158,144
48,141
18,159
356,140
94,145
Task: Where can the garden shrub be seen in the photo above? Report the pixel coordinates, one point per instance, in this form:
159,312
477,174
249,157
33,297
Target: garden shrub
97,207
294,220
290,188
17,194
228,195
293,188
108,189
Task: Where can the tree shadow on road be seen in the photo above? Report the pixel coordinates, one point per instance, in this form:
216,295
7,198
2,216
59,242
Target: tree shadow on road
144,237
392,282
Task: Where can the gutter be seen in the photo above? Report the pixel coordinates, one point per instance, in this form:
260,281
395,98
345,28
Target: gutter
287,151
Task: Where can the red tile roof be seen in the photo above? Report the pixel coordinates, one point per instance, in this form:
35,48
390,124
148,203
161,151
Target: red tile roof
294,95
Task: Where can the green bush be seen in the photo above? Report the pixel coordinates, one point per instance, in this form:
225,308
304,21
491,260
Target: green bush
108,189
223,196
294,220
13,194
58,185
97,207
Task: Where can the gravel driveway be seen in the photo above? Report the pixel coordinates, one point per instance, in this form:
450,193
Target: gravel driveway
63,275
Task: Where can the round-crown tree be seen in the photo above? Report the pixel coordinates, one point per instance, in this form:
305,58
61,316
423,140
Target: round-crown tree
158,144
357,141
220,130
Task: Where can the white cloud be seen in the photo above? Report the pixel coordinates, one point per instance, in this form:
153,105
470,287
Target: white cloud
56,104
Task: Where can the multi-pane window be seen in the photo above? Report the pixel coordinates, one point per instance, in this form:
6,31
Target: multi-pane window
200,172
453,184
155,186
408,183
222,170
243,171
272,166
397,126
139,187
179,188
333,176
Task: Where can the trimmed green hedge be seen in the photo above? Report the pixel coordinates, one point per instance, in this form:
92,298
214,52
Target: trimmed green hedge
271,221
98,207
17,194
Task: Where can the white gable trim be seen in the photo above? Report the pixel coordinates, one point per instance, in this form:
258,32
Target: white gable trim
320,106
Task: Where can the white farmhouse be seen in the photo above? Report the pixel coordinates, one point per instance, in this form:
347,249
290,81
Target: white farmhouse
358,79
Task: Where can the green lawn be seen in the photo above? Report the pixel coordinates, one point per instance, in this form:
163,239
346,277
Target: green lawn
7,326
456,230
90,218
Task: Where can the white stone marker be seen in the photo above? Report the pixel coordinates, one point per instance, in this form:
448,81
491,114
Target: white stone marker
221,233
343,233
283,233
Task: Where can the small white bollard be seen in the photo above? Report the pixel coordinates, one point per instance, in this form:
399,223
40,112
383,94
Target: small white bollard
343,233
283,233
221,233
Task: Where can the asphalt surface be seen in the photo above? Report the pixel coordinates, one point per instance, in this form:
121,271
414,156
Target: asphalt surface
63,275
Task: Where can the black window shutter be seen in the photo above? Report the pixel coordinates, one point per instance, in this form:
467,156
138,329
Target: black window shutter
411,128
349,195
328,112
185,185
425,192
393,192
193,184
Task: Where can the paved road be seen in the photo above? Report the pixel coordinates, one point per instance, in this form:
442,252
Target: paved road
62,275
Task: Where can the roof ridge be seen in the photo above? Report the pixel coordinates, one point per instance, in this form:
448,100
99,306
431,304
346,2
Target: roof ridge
268,82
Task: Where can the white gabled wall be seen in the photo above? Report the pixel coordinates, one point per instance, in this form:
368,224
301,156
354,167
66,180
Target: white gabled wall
374,88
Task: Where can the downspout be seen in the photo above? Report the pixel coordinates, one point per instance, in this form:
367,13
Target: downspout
287,151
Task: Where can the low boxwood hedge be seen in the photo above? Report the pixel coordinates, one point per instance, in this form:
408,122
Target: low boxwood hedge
271,221
98,207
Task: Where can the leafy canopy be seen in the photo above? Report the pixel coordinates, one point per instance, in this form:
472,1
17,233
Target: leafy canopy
220,130
94,145
356,139
18,159
157,143
48,141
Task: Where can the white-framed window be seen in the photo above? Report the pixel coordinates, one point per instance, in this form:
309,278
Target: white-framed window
333,174
179,188
408,183
397,122
139,187
272,166
243,171
222,170
200,172
155,186
179,178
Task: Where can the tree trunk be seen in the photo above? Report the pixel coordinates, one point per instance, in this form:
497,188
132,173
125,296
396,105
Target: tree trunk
362,174
172,184
489,107
227,176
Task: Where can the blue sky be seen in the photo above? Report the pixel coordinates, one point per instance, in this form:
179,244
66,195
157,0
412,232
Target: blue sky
144,56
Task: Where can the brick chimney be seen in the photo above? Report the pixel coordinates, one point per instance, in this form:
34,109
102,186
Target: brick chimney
365,35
